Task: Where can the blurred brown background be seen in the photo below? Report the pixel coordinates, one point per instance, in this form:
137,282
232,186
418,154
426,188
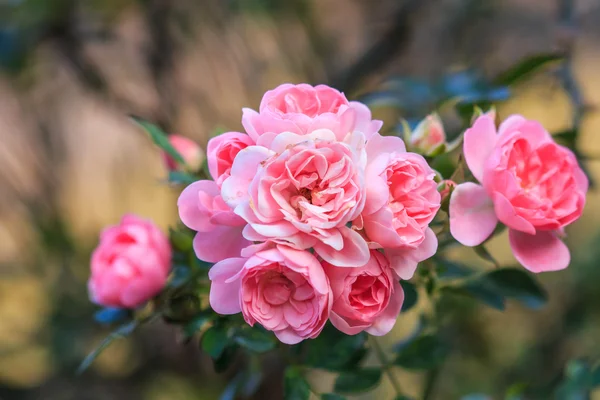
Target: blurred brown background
71,162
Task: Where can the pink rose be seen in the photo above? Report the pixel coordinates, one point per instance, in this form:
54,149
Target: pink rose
221,152
283,289
189,150
303,192
365,298
530,183
202,209
428,136
445,188
402,199
130,265
303,108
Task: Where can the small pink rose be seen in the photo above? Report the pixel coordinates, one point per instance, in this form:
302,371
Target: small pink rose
283,289
189,150
366,298
428,136
531,184
302,194
130,264
202,209
445,188
221,151
303,108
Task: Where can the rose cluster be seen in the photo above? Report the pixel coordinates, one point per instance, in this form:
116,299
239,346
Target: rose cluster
312,215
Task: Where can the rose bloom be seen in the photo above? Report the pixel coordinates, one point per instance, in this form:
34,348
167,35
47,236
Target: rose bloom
402,199
302,109
130,264
303,192
428,135
189,150
529,183
221,151
366,298
283,289
219,230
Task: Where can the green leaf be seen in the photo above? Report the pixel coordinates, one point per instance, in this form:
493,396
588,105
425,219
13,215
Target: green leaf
334,350
197,323
182,241
123,331
476,396
357,381
224,361
332,396
181,178
596,376
180,275
515,391
255,339
447,269
519,285
479,291
214,341
425,352
482,252
159,138
295,387
526,67
411,296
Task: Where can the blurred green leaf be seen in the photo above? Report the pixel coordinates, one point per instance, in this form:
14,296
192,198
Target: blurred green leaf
482,252
255,339
526,67
476,396
411,296
182,241
425,352
577,382
332,396
596,376
181,178
519,285
477,291
180,275
295,387
357,381
515,391
334,350
123,331
159,138
181,307
447,269
197,323
224,361
109,315
214,341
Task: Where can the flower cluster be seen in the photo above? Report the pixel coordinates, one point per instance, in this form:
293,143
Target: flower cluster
311,216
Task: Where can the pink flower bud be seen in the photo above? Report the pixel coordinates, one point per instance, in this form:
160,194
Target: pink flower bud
428,136
192,154
446,187
130,265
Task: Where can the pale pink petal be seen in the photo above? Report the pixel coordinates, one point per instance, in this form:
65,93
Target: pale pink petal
288,336
386,321
225,291
355,252
479,141
377,194
404,261
235,188
285,139
383,144
221,243
507,214
541,252
189,205
363,122
510,124
343,326
472,215
141,290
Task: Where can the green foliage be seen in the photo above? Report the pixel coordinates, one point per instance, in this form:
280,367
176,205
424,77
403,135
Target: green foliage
332,396
214,341
197,323
411,296
424,352
121,332
181,240
295,387
357,381
255,339
181,178
526,67
578,381
159,138
334,350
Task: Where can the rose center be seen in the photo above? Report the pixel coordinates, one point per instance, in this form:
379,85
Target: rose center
277,289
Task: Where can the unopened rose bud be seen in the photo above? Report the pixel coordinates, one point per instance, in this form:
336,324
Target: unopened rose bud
190,151
445,188
428,136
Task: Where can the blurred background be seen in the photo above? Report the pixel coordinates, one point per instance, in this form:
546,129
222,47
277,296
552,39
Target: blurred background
71,71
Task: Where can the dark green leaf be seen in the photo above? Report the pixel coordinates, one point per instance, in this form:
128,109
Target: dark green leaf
517,284
180,275
411,296
334,350
596,376
425,352
295,387
447,269
526,67
480,291
109,315
123,331
181,178
224,361
197,323
214,341
357,381
577,383
482,252
182,241
402,397
159,138
182,307
515,391
332,396
476,396
255,339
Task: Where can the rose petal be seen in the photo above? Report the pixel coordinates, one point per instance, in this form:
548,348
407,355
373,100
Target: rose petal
479,141
355,252
404,261
387,319
472,214
541,252
220,243
507,214
224,292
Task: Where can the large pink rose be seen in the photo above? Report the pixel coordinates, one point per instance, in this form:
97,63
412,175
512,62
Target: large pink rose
302,192
303,108
283,289
202,209
530,183
402,199
221,152
366,298
130,264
